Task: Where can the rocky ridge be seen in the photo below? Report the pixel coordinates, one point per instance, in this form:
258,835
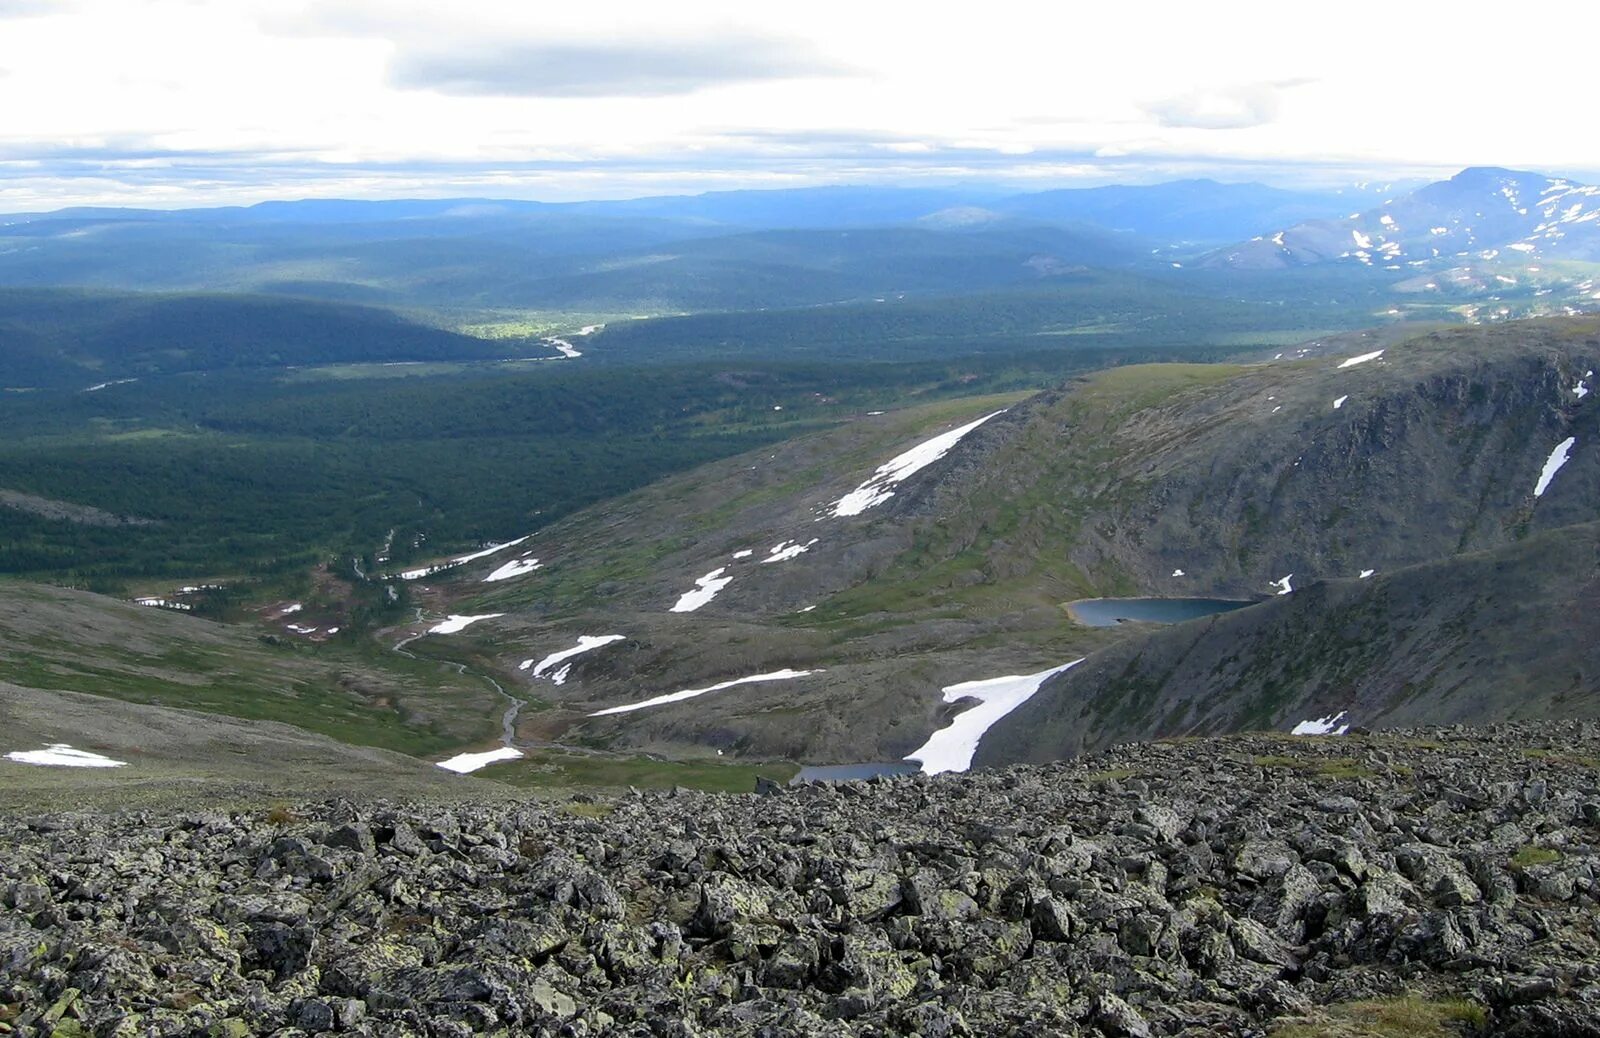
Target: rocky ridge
1241,885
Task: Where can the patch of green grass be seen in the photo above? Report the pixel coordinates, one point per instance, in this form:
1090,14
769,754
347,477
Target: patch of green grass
540,770
1408,1017
1531,855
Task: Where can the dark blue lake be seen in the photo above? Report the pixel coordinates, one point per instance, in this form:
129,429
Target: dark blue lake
1108,612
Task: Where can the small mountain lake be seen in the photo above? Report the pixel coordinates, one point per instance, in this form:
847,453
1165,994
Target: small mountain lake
1109,612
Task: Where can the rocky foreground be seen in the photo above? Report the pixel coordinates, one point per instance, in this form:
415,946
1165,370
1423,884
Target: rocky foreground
1438,881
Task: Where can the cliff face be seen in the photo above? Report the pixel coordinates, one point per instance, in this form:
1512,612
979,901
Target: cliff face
1227,886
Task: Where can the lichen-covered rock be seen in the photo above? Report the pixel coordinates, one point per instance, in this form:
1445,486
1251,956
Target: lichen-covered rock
1200,891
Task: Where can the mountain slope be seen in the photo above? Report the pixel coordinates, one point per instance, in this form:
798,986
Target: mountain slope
1247,479
1489,636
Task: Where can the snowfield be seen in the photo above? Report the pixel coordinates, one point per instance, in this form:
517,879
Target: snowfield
706,589
1362,359
464,763
415,574
1552,465
456,624
876,490
951,747
514,568
61,755
1322,726
586,642
690,693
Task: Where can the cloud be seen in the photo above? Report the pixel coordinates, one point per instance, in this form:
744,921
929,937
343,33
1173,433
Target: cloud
1223,108
26,8
603,69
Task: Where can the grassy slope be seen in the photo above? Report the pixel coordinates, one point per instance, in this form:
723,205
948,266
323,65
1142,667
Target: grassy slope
54,639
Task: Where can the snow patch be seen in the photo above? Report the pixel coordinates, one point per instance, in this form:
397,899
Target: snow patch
690,693
1179,573
1362,359
1322,726
1340,402
1283,585
951,747
456,623
586,642
875,491
60,755
745,554
463,763
1366,573
514,568
706,589
1552,465
788,550
1580,390
414,574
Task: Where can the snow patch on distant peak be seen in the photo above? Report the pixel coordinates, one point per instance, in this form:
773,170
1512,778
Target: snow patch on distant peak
1179,573
1322,726
1366,573
1340,402
1362,359
706,588
1283,585
745,554
951,748
1552,464
875,491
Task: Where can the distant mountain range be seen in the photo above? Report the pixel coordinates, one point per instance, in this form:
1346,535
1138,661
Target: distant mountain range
1483,213
717,251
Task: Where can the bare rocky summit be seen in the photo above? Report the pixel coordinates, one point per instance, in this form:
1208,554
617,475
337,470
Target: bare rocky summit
1244,885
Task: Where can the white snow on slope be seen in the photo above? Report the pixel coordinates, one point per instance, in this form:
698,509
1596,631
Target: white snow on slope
514,568
1178,573
1361,240
690,693
456,623
745,554
788,550
875,491
706,589
60,755
414,574
1580,390
1339,402
586,642
1322,726
951,747
462,763
1283,585
1552,465
1362,359
1366,573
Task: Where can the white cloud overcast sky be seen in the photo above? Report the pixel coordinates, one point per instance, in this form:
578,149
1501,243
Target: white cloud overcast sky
196,102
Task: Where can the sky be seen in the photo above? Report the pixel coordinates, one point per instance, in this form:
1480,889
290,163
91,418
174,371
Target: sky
209,102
